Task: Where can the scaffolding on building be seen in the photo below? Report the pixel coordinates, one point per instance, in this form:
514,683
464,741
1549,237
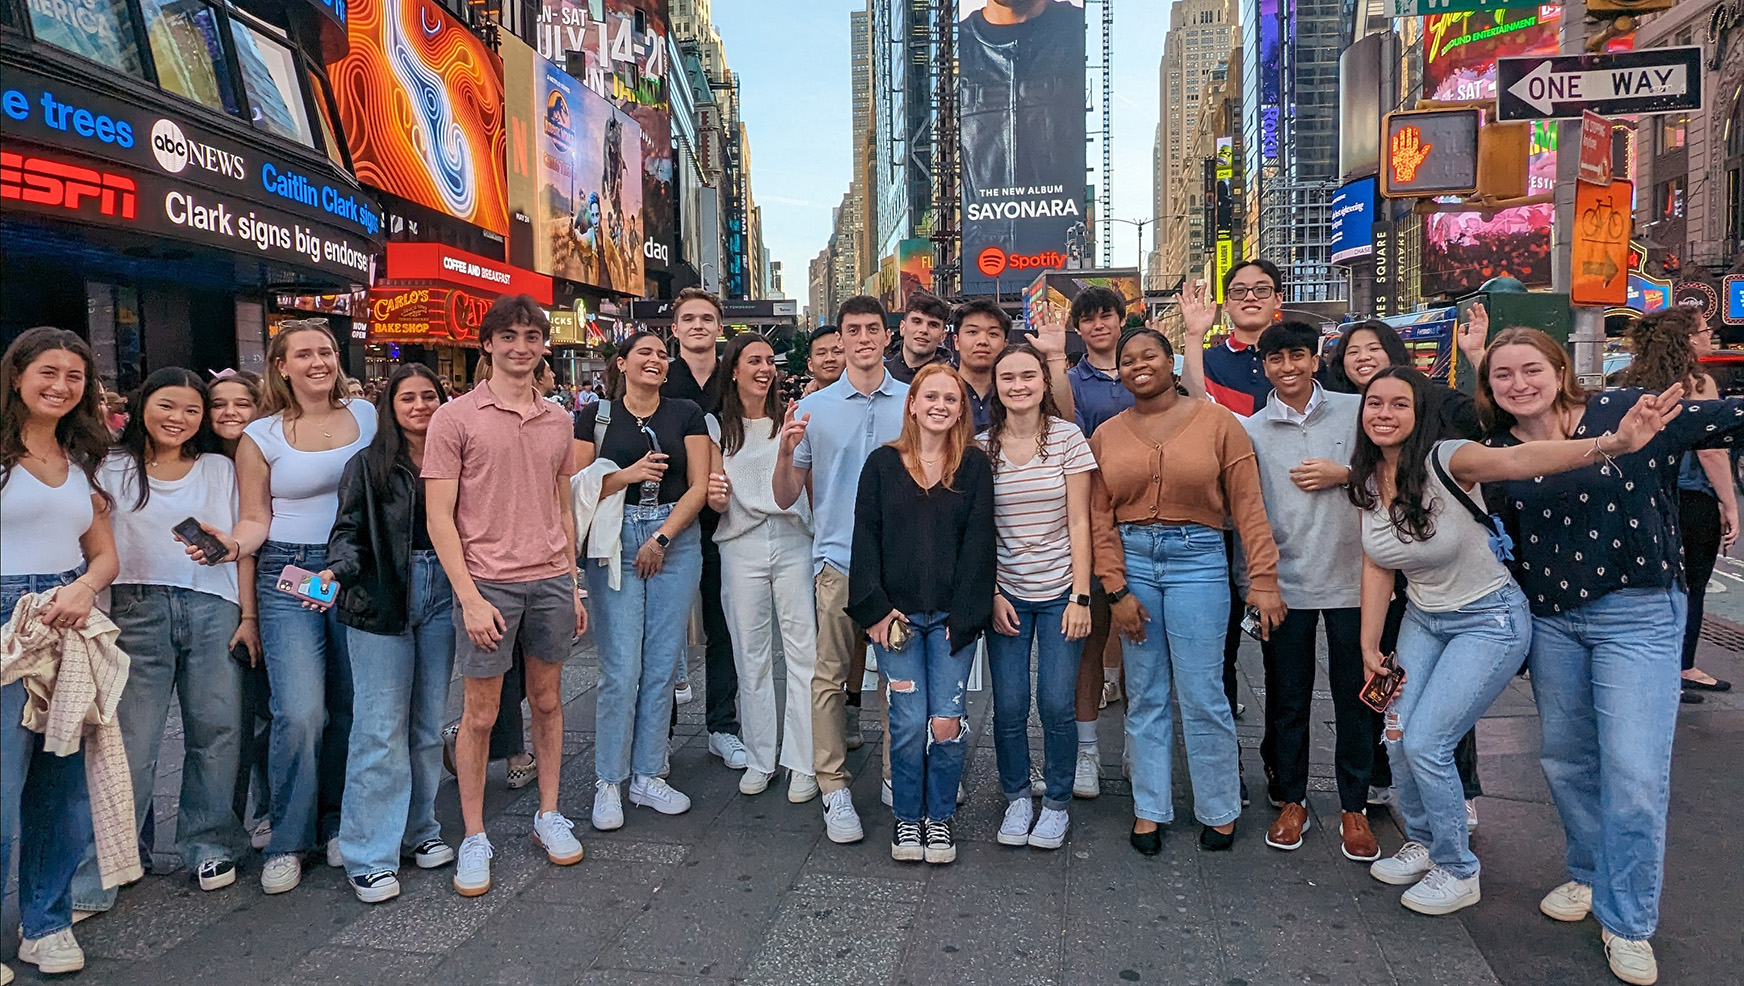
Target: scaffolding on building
1105,207
946,235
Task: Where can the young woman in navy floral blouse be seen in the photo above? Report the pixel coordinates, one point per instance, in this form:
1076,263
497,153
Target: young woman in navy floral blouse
1600,557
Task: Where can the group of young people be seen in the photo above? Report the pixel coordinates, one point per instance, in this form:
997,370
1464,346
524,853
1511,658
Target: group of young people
926,499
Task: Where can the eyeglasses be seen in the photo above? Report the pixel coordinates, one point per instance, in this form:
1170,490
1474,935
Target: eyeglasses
1260,291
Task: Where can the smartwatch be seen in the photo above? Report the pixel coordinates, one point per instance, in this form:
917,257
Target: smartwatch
662,541
1079,599
1118,594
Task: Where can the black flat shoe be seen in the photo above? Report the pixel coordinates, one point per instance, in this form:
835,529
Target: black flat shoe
1149,843
1689,697
1212,840
1717,685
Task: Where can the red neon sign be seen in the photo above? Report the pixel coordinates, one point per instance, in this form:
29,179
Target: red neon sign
43,181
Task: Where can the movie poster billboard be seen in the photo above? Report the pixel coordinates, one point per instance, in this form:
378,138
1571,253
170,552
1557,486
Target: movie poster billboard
577,159
421,99
1021,104
623,56
914,268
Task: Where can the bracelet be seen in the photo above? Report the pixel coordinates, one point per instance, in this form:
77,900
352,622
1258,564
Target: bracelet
85,586
1601,453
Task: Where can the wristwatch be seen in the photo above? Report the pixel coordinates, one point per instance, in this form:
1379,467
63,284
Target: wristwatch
1118,594
662,541
1079,599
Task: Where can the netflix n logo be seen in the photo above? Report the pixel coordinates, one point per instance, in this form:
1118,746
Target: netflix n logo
45,182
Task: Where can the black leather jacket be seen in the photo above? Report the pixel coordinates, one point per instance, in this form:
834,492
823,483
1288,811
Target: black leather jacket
370,549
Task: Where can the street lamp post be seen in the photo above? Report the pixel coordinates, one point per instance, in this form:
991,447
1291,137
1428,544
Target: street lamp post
1138,227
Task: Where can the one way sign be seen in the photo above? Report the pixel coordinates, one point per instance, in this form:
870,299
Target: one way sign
1653,80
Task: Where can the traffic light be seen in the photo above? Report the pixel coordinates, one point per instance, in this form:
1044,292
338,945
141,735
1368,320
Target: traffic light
1503,149
1425,153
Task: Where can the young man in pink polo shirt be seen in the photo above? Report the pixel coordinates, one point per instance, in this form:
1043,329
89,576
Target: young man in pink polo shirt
497,464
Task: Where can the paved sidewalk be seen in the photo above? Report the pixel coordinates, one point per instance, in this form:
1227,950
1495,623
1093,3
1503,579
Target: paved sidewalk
747,890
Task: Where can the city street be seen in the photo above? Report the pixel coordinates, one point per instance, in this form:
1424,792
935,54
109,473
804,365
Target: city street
748,890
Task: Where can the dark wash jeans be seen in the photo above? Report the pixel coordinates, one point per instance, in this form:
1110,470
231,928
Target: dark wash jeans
1289,662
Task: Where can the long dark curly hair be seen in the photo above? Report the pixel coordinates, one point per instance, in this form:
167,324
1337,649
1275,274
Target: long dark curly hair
732,414
1663,356
1410,512
998,416
135,441
80,432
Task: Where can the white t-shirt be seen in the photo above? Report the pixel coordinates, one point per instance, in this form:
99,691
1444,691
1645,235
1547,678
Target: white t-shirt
150,554
751,478
40,526
1029,512
305,485
1452,567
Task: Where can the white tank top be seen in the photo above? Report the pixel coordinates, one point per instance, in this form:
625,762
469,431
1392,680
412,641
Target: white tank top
305,485
40,526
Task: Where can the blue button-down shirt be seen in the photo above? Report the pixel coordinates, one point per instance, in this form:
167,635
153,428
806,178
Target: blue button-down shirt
844,427
1096,396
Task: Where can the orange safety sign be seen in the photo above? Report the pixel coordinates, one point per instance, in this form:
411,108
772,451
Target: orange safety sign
1599,248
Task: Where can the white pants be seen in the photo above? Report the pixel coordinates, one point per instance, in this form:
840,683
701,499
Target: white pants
766,579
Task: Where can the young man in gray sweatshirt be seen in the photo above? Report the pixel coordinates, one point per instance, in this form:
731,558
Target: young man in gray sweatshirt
1303,438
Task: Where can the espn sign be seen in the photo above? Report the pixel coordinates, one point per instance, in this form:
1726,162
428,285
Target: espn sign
46,182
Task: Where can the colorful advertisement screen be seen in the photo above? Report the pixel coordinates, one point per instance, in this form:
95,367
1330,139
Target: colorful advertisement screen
1021,94
421,98
914,266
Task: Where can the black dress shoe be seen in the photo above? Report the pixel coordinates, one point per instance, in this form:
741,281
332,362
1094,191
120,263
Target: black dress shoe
1149,843
1717,685
1212,840
1688,697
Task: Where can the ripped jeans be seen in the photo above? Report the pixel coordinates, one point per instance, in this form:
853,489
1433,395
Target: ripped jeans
926,682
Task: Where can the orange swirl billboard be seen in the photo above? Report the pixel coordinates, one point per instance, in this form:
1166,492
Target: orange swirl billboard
421,98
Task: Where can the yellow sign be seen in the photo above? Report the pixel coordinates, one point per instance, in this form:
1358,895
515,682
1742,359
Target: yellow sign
1225,261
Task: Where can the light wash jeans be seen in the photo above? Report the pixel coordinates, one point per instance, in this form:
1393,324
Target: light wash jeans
1180,575
766,583
1056,671
53,836
640,634
310,672
1606,678
1455,665
395,762
177,640
924,772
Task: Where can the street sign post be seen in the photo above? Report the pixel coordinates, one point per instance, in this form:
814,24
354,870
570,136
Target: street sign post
1595,149
1652,80
1599,262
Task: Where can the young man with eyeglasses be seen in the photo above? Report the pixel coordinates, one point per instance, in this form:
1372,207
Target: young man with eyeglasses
1231,372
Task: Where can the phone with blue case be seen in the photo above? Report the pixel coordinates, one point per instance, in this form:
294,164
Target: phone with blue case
306,585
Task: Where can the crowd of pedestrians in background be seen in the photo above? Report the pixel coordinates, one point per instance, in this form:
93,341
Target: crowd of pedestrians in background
1104,530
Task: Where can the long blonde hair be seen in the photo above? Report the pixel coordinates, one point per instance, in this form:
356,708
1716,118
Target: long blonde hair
276,394
956,440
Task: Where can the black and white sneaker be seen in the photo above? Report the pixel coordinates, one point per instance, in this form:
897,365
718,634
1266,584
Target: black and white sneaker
940,847
905,845
432,853
373,888
216,874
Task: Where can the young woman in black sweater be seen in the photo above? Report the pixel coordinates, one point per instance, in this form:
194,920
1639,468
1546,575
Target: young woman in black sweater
921,582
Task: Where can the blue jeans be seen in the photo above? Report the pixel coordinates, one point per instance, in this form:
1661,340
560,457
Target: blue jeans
1606,680
310,673
53,837
1056,685
178,640
1180,575
396,749
924,772
639,631
1455,665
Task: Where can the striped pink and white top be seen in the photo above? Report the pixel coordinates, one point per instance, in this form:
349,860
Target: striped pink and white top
1029,510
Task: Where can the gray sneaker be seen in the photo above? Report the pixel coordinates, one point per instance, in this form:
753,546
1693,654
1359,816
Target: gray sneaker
1404,867
1014,830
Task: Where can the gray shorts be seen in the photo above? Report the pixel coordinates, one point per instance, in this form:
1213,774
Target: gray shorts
539,616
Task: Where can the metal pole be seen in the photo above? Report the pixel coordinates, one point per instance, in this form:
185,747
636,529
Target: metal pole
1586,337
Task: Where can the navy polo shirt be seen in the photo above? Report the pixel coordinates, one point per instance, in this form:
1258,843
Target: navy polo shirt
1235,376
1096,396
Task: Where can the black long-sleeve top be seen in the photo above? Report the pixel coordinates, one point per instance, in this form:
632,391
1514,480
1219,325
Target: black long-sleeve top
1584,534
919,551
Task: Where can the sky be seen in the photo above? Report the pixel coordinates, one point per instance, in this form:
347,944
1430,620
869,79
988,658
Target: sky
792,61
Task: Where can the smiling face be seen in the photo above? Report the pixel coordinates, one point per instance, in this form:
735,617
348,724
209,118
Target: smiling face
645,363
172,416
921,335
1389,412
755,373
863,340
1523,380
1247,311
515,350
826,359
310,363
1291,373
936,403
1363,356
980,340
415,400
696,325
1020,382
232,407
1101,330
53,383
1146,369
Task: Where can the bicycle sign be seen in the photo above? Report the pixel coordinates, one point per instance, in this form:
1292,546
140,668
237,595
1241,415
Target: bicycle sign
1599,249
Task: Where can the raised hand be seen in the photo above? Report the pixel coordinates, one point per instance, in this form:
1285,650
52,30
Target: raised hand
1474,334
792,429
1647,418
1198,312
1049,337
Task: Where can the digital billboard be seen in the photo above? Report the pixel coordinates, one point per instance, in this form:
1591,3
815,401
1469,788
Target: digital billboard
1021,124
1353,221
421,98
622,50
914,267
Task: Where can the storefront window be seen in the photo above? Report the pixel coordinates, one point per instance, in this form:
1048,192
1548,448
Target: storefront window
100,30
188,46
270,75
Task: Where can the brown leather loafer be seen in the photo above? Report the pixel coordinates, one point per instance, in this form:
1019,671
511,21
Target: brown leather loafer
1359,842
1286,832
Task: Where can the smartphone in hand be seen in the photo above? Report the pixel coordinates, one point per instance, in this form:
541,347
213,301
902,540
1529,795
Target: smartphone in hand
212,550
1379,690
306,586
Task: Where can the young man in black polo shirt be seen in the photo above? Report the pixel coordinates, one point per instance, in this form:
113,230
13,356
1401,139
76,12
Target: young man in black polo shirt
695,376
922,337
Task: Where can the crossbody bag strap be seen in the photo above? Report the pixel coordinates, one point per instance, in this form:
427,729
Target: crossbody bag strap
602,416
1471,507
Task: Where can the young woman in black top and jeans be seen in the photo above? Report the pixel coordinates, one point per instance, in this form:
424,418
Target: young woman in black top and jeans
921,581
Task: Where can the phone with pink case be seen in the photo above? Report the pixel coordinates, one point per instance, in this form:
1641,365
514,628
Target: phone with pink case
306,586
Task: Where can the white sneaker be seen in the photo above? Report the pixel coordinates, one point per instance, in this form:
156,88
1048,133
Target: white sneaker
1572,901
5,974
655,793
281,873
1440,892
1087,778
215,874
261,836
1471,815
432,853
1631,960
52,954
753,781
729,749
841,821
683,695
801,787
1050,829
334,859
886,795
1404,867
608,807
472,873
1014,831
556,835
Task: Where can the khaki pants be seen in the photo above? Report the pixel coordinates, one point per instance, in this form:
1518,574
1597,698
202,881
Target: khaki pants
837,640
